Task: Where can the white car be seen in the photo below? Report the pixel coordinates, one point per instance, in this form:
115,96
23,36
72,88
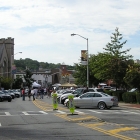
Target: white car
94,99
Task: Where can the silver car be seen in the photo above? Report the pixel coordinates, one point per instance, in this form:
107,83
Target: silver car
95,99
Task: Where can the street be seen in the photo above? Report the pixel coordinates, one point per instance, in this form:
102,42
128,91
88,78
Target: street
20,120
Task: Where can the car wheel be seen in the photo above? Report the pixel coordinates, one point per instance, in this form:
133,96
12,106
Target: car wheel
9,100
101,105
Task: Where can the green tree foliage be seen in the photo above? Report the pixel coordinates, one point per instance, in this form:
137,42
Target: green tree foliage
28,78
6,82
34,65
80,76
112,64
17,82
132,77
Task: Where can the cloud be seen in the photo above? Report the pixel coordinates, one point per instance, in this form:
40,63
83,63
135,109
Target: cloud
42,28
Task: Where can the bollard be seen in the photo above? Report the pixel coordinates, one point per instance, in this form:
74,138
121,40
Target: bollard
55,104
71,104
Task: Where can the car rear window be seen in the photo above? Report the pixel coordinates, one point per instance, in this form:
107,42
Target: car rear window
100,90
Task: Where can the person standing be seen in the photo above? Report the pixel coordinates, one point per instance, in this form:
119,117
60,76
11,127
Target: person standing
23,94
29,94
41,93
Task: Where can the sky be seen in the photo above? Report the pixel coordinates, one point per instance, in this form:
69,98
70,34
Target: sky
42,28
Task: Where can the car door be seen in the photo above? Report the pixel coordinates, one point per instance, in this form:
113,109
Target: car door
97,97
86,100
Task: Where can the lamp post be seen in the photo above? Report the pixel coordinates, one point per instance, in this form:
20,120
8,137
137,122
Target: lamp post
87,58
17,53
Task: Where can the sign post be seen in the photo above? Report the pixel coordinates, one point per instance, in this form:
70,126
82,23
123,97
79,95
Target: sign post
71,104
55,104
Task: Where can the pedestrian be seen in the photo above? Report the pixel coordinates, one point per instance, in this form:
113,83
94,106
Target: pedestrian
29,94
23,94
33,94
41,93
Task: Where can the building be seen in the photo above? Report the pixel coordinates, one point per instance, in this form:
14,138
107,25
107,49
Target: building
49,77
6,56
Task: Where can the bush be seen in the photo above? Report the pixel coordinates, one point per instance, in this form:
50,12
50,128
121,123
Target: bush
138,97
117,93
129,97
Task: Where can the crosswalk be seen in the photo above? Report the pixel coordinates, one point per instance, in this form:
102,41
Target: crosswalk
86,111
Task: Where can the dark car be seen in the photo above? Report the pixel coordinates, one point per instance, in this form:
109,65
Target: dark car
5,97
9,93
1,98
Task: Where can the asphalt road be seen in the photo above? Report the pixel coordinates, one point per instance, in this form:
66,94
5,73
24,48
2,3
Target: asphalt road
36,120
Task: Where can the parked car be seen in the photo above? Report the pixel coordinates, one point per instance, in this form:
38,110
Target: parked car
1,98
78,92
94,99
9,93
6,97
17,92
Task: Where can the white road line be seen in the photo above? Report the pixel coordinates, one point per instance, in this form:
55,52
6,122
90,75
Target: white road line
43,112
79,112
61,112
94,111
130,112
25,113
7,113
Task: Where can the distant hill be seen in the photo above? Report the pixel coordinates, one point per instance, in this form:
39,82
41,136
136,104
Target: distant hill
34,65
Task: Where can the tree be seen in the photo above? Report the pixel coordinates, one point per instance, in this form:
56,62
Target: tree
112,64
132,77
28,79
80,76
17,82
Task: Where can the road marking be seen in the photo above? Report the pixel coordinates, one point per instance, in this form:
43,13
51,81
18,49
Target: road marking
43,112
62,112
106,132
79,112
114,131
0,125
94,111
7,113
25,113
130,112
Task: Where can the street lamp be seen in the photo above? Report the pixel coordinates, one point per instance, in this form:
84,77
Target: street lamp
17,53
87,58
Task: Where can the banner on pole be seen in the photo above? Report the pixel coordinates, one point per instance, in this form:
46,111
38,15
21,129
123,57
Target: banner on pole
84,57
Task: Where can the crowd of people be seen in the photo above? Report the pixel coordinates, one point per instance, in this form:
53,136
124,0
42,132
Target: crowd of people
36,93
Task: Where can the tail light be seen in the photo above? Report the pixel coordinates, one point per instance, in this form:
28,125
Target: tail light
112,99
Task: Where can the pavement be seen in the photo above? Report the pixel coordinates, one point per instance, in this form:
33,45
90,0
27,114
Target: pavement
128,105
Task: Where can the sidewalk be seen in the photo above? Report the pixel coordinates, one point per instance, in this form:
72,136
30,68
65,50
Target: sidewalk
128,105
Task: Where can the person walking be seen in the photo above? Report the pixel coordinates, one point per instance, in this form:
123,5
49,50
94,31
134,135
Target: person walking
29,94
23,94
33,94
41,93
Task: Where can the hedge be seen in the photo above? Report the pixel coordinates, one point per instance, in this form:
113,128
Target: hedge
129,97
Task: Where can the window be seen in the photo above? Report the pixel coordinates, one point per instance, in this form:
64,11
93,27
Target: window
97,95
